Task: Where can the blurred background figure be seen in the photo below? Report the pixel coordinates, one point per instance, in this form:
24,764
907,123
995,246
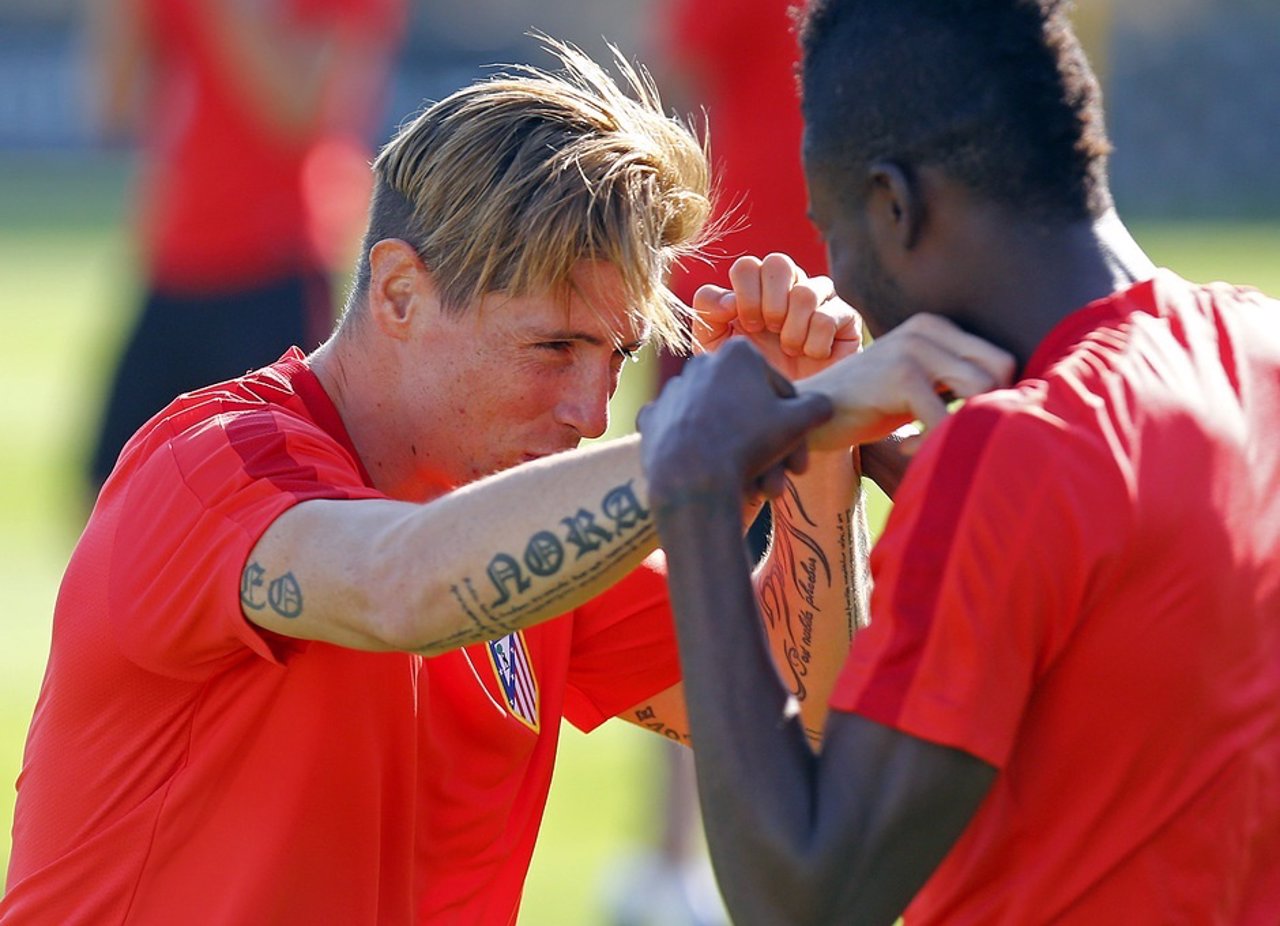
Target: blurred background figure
733,61
254,121
1194,167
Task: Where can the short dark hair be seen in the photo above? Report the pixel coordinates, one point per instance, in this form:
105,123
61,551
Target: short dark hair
996,93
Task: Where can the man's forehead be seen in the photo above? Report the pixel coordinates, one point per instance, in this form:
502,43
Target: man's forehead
569,315
593,323
599,302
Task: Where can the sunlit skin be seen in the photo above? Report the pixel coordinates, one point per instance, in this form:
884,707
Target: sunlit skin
507,380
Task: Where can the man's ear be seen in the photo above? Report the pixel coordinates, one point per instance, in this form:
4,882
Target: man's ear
895,204
400,286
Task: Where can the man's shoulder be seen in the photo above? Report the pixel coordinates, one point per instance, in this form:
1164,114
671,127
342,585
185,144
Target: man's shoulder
254,426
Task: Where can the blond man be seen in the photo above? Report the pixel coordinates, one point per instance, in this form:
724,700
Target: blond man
304,667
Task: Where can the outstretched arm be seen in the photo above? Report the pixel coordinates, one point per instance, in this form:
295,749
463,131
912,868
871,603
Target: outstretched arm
498,555
850,835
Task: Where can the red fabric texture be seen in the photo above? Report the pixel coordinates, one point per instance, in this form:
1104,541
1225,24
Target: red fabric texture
184,765
1079,584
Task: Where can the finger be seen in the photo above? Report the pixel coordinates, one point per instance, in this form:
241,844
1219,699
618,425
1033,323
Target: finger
786,446
708,335
848,323
781,385
923,402
772,482
802,309
812,409
961,378
820,338
744,275
709,298
778,277
851,330
935,376
997,363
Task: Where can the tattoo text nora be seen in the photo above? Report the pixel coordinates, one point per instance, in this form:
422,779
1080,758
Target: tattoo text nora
544,554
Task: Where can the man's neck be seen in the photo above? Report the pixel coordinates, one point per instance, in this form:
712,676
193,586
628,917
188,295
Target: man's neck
348,374
1044,276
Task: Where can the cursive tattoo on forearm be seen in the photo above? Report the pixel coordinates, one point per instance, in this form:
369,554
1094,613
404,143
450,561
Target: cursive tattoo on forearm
855,571
797,571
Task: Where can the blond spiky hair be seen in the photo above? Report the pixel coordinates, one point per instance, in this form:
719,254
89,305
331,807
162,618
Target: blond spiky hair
505,185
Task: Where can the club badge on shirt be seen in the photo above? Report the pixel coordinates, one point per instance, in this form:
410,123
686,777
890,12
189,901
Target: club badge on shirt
509,656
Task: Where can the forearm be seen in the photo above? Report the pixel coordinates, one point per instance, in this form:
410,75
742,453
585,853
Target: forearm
499,555
812,586
885,463
754,766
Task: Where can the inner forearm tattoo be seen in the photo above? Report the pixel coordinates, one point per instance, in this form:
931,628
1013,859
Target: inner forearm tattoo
798,563
855,547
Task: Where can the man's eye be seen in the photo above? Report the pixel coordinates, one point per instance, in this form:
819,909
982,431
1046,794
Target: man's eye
558,347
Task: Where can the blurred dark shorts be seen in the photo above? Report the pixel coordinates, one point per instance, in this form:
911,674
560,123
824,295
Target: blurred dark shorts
182,342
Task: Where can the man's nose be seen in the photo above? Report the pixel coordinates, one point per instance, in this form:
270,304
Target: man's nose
585,406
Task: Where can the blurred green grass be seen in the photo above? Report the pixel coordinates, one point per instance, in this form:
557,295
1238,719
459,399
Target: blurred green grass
66,288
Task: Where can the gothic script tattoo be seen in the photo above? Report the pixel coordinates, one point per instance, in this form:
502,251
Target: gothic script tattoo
619,527
282,594
648,718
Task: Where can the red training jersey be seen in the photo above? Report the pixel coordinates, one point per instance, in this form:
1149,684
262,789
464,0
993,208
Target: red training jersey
227,196
1079,584
184,764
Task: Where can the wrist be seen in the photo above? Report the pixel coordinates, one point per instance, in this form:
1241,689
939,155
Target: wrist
705,494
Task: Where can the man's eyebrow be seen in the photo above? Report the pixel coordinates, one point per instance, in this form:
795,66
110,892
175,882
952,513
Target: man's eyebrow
569,334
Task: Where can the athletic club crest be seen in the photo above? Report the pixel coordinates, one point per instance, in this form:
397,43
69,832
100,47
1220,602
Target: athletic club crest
514,670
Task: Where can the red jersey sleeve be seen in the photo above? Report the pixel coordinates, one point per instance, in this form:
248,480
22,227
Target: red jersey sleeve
624,647
209,493
978,578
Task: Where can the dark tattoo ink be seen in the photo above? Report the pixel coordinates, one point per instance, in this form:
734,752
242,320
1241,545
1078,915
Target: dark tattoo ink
544,554
285,596
799,562
282,594
623,508
584,533
253,594
504,569
647,717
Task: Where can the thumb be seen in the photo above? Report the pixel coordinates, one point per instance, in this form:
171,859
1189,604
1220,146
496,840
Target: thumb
812,409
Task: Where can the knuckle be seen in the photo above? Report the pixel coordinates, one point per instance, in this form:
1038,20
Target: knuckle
805,299
822,326
743,269
778,270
